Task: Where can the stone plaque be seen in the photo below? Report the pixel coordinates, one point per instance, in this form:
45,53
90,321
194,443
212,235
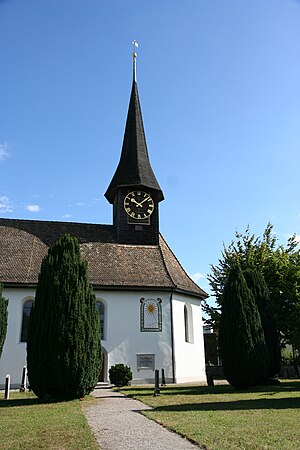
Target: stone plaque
146,361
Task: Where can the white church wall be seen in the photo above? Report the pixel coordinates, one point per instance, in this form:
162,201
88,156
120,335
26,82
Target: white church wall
123,338
190,360
13,357
125,342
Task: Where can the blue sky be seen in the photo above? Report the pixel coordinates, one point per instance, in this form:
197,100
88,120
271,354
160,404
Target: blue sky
220,95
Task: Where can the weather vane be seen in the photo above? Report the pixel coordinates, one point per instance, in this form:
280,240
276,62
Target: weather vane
134,55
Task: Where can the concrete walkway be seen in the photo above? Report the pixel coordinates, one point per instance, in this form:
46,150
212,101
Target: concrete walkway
118,425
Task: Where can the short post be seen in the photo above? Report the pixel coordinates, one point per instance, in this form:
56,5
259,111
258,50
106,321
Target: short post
210,379
156,386
163,379
7,387
24,380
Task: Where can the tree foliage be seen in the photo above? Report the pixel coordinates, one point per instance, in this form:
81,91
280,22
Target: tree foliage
243,349
280,267
63,346
258,287
3,319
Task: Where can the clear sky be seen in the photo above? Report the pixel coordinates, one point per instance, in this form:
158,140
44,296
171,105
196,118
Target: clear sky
219,85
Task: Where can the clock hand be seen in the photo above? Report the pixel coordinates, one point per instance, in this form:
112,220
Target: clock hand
145,199
134,201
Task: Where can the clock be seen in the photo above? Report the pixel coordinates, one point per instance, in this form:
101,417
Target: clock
138,205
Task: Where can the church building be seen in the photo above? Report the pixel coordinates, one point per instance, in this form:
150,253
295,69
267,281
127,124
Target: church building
150,309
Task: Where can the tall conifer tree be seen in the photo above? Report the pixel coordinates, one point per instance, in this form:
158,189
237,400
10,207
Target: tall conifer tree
242,343
256,283
63,346
3,319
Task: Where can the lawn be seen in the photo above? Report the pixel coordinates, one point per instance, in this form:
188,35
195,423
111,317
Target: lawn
222,418
27,423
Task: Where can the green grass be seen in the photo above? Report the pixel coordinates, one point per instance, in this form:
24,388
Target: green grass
222,418
27,423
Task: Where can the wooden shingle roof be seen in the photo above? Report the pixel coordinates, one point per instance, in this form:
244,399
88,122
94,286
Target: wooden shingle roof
134,168
24,243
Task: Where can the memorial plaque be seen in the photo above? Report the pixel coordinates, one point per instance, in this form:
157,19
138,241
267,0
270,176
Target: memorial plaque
145,361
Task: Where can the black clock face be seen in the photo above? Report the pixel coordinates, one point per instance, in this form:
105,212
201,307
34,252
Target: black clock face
138,205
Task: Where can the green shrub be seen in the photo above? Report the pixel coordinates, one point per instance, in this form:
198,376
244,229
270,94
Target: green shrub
120,375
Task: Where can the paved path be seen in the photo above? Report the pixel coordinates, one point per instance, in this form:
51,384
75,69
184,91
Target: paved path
118,425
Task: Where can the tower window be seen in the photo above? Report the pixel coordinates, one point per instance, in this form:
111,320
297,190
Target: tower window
27,306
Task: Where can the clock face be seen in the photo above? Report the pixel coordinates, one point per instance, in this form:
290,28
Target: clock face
138,205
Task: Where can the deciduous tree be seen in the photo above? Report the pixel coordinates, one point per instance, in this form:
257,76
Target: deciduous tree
280,267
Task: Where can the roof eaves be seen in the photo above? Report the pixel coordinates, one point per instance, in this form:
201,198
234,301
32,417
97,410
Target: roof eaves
18,284
131,288
190,293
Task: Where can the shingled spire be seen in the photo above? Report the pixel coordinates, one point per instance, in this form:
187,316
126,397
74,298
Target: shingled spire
134,168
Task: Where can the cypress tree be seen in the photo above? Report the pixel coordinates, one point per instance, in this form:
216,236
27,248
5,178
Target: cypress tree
3,319
242,343
63,346
256,283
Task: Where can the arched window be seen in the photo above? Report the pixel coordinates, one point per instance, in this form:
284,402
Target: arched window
188,324
25,319
101,310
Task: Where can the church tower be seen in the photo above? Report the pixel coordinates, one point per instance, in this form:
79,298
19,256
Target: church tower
134,190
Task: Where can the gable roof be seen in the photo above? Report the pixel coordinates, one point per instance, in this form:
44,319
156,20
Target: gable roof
134,168
24,243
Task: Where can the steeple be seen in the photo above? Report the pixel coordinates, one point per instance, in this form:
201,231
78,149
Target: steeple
134,190
134,168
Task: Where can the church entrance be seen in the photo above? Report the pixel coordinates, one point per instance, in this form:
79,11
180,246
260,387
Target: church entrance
103,372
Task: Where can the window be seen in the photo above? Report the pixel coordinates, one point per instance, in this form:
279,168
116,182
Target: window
101,310
25,319
188,323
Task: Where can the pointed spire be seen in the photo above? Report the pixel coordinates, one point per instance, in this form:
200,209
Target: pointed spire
134,168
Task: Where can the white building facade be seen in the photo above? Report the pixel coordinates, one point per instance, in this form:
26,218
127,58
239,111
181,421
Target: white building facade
177,348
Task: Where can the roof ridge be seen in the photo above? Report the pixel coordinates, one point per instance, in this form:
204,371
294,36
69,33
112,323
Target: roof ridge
37,221
180,265
164,262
